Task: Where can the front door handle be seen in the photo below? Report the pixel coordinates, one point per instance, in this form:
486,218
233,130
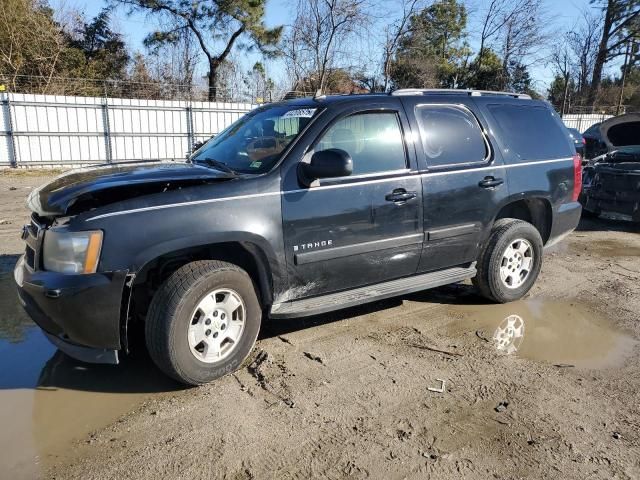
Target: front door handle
490,182
400,195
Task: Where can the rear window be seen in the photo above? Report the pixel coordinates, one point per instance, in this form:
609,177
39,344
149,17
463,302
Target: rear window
531,132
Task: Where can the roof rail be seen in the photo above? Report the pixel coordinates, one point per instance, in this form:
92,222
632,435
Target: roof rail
456,91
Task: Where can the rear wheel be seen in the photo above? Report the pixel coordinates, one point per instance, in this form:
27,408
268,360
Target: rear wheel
203,321
511,261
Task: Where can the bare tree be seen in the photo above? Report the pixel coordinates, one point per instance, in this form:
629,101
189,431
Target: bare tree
561,61
619,26
393,34
318,38
30,43
175,61
522,35
583,44
496,15
516,29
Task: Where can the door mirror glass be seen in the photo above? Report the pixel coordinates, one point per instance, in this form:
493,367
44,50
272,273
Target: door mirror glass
330,163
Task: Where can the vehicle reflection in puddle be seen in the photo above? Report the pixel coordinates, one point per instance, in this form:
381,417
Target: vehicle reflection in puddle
552,331
508,337
48,400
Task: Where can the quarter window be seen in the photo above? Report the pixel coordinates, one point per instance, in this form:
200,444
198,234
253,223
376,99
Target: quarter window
450,136
373,140
531,132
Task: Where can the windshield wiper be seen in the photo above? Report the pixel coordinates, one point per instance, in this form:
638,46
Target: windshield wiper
219,165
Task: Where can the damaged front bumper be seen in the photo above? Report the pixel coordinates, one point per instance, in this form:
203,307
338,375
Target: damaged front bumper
80,314
613,189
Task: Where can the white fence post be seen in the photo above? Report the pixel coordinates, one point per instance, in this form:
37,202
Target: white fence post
8,121
190,136
107,130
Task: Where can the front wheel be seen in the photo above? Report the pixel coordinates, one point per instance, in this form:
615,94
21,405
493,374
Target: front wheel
511,261
203,321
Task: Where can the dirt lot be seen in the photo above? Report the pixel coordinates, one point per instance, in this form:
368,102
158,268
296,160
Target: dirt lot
347,394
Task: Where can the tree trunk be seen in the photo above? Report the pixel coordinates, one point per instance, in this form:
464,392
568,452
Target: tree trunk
601,58
213,77
565,94
480,56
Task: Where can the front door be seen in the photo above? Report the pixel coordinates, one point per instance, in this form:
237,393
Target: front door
362,229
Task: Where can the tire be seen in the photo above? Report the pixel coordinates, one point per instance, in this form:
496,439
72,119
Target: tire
509,232
189,298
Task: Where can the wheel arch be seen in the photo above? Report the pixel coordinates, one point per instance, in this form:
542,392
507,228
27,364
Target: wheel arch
159,265
536,210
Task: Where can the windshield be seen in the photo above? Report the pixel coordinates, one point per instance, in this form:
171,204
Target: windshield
255,142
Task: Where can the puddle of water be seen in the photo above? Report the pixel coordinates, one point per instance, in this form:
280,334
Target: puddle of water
552,331
614,248
48,400
610,248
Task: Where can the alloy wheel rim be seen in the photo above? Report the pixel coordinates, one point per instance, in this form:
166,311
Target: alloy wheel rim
516,263
216,325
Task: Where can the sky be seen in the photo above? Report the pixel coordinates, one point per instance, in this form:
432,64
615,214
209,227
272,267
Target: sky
562,15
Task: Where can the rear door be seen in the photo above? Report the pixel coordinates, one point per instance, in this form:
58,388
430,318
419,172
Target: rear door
357,230
463,180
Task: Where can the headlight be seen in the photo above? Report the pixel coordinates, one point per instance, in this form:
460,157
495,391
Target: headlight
72,252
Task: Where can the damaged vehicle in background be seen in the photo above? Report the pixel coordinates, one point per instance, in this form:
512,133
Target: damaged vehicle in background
611,175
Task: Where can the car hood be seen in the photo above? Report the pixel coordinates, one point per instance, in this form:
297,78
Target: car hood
621,131
87,188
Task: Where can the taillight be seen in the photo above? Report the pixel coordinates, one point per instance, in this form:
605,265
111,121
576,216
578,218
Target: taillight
577,177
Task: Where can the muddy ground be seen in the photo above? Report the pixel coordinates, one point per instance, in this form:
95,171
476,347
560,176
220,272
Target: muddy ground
554,395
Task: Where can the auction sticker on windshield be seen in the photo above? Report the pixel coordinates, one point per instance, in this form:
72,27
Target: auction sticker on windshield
300,113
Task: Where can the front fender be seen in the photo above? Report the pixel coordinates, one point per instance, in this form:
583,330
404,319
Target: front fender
202,240
134,238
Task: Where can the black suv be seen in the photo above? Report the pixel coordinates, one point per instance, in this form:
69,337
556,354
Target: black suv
298,208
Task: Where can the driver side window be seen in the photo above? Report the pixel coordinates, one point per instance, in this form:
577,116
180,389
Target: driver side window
373,140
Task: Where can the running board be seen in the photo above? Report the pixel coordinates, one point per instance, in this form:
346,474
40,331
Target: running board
370,293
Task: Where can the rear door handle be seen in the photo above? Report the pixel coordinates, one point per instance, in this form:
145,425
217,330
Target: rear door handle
490,182
400,195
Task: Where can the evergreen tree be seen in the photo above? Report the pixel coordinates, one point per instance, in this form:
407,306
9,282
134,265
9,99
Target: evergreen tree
434,51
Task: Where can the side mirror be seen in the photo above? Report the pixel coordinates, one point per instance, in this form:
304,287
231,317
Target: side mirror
330,163
196,146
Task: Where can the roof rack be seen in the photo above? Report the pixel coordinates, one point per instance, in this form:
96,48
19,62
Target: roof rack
456,91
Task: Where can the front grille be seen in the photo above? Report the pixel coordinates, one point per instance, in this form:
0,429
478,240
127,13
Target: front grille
33,238
30,257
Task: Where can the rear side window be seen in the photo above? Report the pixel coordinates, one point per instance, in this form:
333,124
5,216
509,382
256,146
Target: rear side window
450,136
373,140
530,132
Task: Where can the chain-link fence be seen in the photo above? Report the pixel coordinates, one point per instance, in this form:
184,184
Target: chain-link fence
149,90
